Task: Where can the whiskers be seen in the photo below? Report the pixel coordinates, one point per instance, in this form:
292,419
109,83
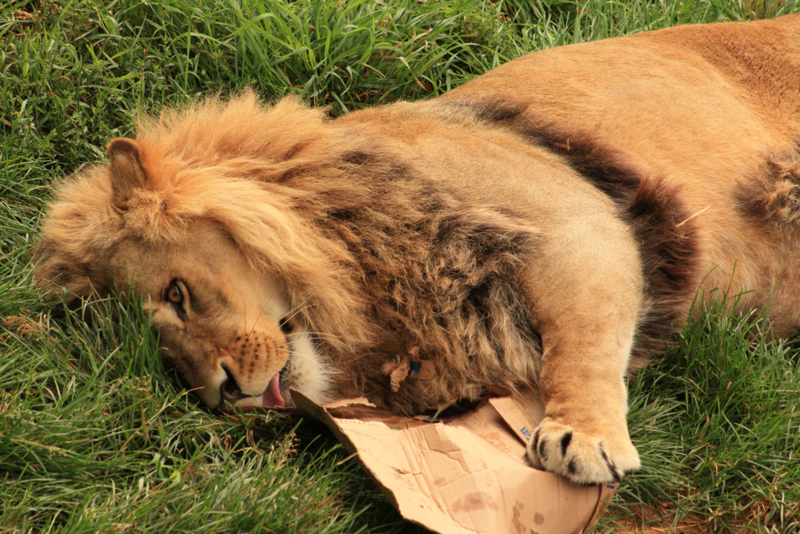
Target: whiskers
303,306
298,311
316,335
295,317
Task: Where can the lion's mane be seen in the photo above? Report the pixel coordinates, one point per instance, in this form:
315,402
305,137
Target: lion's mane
377,260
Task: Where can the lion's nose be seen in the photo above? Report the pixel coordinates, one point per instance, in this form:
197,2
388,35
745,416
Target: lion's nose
229,389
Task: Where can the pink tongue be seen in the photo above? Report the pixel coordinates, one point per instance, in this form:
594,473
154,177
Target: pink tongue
272,395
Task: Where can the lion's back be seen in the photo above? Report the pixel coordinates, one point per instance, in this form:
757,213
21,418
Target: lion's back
711,110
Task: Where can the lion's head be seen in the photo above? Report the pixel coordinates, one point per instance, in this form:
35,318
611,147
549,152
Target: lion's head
191,216
275,249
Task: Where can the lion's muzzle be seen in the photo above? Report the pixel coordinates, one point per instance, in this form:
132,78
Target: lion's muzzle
232,394
253,362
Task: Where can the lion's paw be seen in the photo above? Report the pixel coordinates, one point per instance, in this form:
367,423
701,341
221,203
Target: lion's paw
580,457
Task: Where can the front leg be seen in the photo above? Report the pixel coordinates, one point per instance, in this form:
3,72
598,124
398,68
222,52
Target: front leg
584,435
588,299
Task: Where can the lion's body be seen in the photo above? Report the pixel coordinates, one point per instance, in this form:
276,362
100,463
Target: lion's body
536,227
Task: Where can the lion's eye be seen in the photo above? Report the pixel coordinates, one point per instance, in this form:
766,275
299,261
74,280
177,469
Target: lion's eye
174,293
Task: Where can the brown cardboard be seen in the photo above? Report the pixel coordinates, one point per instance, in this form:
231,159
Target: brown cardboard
463,475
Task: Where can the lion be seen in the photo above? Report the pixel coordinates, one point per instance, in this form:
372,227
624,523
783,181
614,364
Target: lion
544,227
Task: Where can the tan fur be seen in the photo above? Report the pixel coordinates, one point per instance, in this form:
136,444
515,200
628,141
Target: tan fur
543,226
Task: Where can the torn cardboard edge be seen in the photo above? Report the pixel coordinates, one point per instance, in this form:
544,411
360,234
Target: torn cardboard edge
465,474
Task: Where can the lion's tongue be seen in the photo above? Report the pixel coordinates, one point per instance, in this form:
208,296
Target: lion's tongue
272,395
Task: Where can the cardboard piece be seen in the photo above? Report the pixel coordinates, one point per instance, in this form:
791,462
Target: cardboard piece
466,474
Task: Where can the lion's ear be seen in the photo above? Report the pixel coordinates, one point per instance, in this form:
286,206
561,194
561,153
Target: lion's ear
127,174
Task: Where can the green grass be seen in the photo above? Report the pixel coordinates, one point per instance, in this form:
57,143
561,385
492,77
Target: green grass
95,437
717,421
